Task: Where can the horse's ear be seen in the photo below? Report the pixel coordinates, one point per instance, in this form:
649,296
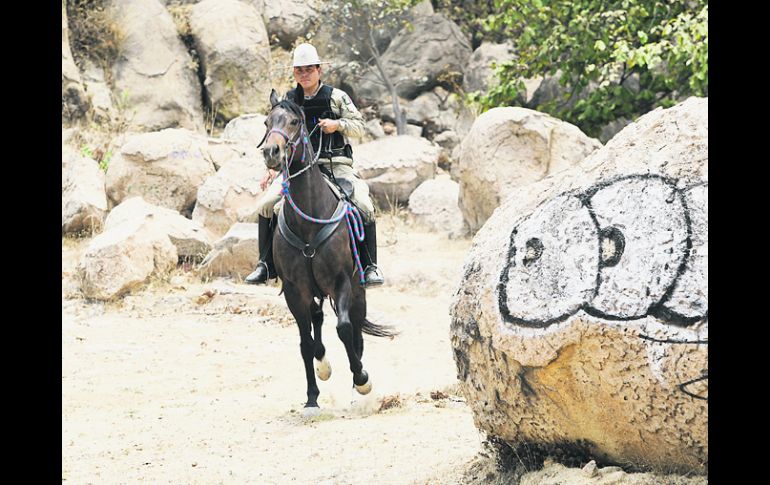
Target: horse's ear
299,95
273,98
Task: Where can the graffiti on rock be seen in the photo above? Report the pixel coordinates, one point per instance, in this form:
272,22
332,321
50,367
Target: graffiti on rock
625,249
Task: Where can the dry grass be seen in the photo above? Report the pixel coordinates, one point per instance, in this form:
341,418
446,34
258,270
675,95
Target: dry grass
390,402
94,34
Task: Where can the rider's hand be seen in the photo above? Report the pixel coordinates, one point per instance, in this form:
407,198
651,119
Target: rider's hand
267,179
329,126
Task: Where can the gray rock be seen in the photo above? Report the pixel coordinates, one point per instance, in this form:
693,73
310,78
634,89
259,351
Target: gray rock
188,237
479,73
587,293
124,258
232,42
230,195
154,73
508,148
434,204
417,57
84,201
165,167
236,254
395,165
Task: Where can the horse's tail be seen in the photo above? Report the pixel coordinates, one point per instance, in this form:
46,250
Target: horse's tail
378,330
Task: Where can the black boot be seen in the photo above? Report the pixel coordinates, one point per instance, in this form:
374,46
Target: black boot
372,274
265,268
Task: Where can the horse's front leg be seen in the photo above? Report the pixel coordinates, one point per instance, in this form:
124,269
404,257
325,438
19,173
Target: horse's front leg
347,334
322,367
300,307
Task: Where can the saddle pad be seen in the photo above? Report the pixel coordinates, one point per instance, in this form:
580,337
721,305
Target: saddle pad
345,184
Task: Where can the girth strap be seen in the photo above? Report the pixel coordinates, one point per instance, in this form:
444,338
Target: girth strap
309,249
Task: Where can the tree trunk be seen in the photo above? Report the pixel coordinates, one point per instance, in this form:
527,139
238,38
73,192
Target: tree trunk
397,113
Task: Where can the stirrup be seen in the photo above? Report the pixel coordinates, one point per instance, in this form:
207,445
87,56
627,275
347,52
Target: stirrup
259,275
373,276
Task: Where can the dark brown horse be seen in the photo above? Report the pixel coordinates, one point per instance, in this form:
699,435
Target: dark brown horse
312,249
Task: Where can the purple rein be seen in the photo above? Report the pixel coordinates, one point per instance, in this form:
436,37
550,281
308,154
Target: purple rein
354,220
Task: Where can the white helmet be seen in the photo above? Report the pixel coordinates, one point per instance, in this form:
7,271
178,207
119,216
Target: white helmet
306,55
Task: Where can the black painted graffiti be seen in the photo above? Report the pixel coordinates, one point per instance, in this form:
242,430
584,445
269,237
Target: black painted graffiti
703,394
625,249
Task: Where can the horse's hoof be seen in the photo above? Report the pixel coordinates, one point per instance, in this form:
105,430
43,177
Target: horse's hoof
365,389
311,411
323,369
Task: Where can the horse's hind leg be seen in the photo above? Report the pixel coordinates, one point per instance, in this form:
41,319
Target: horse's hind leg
347,334
300,307
322,367
357,317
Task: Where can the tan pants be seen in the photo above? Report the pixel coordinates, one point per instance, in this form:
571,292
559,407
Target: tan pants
271,200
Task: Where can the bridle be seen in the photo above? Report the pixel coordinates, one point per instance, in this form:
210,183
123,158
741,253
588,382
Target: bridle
292,146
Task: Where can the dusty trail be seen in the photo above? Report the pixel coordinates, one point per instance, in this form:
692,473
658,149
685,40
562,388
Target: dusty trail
170,386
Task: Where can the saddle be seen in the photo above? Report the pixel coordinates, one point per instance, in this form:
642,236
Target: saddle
341,187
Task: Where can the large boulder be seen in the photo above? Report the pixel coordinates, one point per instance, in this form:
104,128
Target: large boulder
286,20
220,151
508,148
417,57
188,237
480,73
154,75
435,111
83,197
346,57
247,128
102,106
235,255
581,319
165,167
434,205
74,101
124,258
395,165
231,39
230,195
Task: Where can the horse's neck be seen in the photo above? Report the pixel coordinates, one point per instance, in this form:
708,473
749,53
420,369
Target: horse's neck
311,195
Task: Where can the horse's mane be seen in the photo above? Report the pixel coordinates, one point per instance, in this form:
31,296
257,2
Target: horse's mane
290,105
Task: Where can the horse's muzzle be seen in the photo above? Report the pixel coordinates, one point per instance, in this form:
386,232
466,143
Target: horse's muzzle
272,155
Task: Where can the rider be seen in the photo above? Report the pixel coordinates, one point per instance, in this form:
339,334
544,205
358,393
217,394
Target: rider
334,113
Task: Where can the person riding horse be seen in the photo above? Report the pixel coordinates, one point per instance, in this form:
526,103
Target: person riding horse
331,111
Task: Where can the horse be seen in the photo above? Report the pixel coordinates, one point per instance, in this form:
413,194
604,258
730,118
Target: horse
312,251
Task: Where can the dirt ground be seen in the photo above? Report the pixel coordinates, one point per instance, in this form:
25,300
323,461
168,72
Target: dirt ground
202,382
170,385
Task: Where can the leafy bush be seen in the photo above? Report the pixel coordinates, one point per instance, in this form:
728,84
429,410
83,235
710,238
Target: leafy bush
617,58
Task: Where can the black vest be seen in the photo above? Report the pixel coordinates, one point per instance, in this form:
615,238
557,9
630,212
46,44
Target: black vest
320,108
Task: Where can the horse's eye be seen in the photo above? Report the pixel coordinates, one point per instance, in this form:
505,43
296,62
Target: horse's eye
294,122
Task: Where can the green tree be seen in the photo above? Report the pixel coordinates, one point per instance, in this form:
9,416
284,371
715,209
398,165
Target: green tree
617,58
470,16
358,28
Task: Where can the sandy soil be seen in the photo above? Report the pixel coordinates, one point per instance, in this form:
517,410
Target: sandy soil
170,385
202,382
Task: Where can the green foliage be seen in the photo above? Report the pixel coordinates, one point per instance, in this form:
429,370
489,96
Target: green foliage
617,58
471,16
101,156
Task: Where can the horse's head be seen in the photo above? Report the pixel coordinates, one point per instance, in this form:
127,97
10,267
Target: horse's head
285,125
